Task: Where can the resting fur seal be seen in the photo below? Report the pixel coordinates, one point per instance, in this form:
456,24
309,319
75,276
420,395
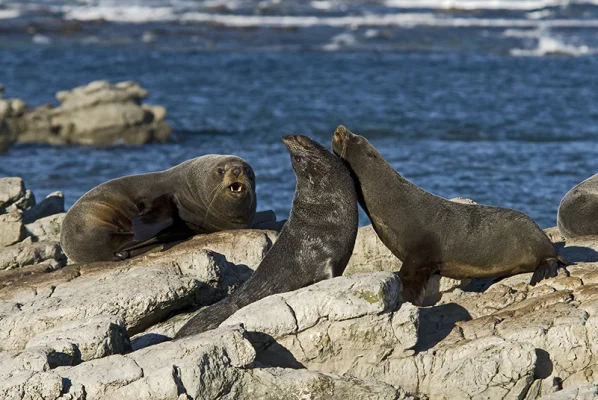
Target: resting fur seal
433,235
578,211
127,216
315,243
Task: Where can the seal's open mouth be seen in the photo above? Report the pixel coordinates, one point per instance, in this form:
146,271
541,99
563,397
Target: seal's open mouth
237,187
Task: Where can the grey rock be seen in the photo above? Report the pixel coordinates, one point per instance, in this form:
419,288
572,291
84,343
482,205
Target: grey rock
46,229
97,114
52,204
24,254
11,190
12,229
141,291
92,338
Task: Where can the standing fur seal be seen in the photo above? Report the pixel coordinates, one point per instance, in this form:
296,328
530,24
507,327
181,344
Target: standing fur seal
127,216
433,235
578,211
315,243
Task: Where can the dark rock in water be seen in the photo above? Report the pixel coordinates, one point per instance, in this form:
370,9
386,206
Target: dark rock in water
97,114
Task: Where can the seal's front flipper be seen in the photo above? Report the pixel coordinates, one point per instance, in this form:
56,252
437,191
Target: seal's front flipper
549,268
156,215
414,276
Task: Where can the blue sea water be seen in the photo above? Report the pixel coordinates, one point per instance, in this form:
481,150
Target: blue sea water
496,101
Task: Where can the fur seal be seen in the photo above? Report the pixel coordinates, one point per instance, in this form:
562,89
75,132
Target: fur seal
432,235
315,243
127,216
578,211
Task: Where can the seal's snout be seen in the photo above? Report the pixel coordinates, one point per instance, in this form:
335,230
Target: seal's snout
340,133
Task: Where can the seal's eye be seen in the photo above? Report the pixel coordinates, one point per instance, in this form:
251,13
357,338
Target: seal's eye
221,171
247,172
298,158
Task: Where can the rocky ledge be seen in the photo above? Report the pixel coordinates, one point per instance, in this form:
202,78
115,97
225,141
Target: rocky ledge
97,114
102,330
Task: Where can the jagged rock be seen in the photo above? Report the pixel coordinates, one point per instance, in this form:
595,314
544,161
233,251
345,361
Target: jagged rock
12,229
23,254
97,114
370,254
52,204
11,190
92,338
142,291
46,229
213,365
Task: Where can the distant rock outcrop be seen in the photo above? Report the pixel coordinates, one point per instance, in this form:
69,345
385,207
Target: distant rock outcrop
97,114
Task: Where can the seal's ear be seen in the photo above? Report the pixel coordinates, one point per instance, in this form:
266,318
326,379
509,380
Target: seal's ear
156,215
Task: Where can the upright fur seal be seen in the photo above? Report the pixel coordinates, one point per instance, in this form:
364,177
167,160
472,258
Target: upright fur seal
130,215
433,235
315,243
578,211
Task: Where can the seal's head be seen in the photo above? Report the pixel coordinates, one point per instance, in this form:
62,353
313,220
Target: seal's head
310,160
355,150
225,185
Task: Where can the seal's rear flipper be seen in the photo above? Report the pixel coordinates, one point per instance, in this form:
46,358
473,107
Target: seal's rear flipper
549,268
156,215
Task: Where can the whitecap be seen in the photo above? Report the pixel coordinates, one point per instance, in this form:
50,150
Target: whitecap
484,4
135,14
9,14
373,20
340,41
548,45
41,39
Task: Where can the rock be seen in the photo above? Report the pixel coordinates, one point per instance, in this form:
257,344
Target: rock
46,229
142,291
92,338
52,204
12,229
11,190
24,254
370,254
97,114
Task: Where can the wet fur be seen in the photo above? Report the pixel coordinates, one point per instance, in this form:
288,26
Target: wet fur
433,235
128,216
315,243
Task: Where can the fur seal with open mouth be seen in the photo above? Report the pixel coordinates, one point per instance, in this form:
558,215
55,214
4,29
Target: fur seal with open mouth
128,216
315,243
578,212
431,234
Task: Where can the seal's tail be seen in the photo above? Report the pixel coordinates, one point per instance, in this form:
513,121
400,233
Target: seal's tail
549,268
209,318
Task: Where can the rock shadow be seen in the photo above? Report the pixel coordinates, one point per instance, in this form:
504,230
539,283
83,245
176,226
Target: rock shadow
147,340
577,252
435,324
544,366
270,353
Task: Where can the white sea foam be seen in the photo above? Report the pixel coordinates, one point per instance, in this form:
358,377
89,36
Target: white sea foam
485,4
321,4
41,39
401,20
340,41
9,14
136,14
548,45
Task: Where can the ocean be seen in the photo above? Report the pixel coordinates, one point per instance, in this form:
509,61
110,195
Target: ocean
493,100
